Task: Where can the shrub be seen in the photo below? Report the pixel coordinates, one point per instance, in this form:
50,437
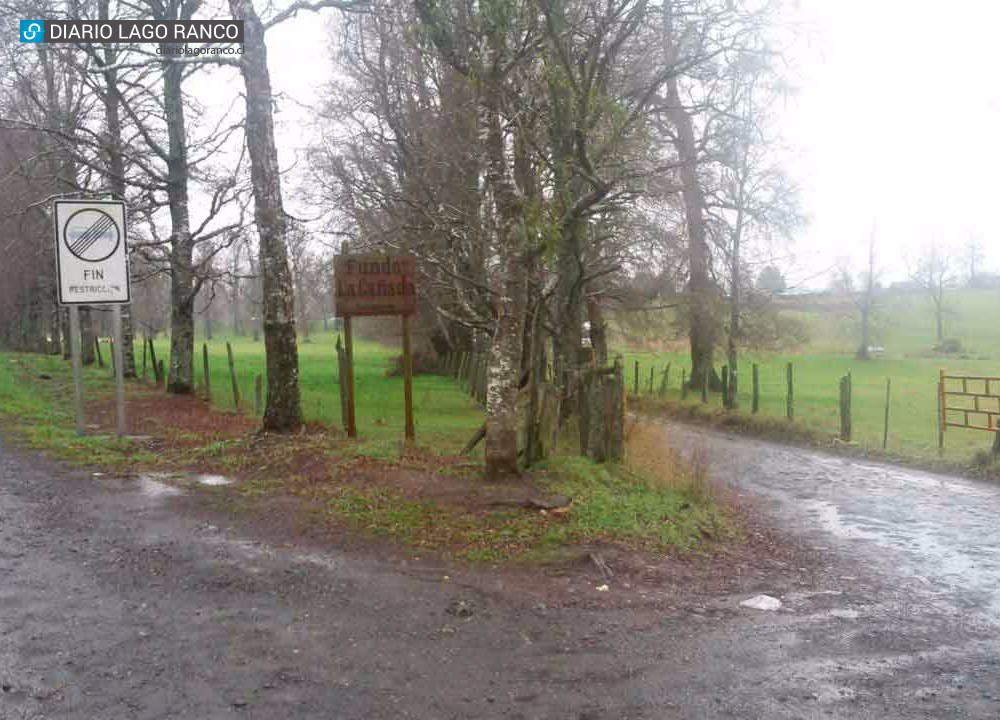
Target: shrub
949,346
424,362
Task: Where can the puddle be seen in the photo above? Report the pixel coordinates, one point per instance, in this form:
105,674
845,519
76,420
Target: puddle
164,484
156,488
213,480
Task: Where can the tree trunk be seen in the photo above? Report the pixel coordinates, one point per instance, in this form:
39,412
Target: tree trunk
700,315
116,173
180,380
283,411
731,381
55,315
86,336
64,325
598,332
505,346
863,353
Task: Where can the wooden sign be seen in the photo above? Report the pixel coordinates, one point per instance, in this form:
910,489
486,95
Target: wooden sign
374,285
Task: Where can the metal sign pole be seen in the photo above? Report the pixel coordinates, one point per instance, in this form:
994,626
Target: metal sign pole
74,345
119,370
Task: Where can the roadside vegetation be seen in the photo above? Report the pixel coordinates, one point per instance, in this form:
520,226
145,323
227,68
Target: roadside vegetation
424,498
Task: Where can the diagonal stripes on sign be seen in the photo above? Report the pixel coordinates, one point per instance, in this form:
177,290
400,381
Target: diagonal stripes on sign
91,235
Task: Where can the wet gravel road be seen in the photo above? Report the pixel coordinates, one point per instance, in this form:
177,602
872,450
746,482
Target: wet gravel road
117,603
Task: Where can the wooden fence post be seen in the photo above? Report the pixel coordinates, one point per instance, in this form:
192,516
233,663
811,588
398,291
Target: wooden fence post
684,384
790,398
258,395
342,381
484,378
144,360
885,427
97,351
204,365
161,377
408,431
463,366
755,400
602,412
635,387
942,412
352,419
725,386
232,375
651,370
473,379
665,382
845,408
152,359
112,344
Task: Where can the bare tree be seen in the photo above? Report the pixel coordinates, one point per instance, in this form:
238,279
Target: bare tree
867,300
935,275
972,258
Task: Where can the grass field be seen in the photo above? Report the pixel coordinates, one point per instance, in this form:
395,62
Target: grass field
904,324
913,403
905,328
444,416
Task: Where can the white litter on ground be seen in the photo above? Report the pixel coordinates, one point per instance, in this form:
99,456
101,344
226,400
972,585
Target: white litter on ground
844,614
762,602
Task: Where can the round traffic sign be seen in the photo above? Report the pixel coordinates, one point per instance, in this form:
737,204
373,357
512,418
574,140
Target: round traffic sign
91,235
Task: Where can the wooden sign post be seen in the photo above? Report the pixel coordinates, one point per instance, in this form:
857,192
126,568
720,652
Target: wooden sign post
373,285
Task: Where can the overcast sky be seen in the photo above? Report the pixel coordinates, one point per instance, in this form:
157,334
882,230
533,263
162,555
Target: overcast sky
896,124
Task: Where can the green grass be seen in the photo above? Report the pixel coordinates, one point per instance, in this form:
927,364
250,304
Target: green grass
444,416
913,406
905,327
39,411
610,504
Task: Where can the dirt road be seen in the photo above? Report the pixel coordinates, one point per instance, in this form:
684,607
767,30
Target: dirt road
116,602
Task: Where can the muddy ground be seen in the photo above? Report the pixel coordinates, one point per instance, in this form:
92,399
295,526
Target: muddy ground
128,598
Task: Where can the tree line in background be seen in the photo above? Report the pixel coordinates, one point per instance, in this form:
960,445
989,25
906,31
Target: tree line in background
937,269
548,162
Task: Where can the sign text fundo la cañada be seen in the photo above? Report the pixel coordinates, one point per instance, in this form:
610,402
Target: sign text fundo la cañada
375,285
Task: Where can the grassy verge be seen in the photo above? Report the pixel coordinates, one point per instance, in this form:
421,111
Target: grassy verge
979,465
421,498
36,408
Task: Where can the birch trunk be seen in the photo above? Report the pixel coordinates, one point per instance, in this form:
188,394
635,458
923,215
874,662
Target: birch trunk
283,410
505,346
